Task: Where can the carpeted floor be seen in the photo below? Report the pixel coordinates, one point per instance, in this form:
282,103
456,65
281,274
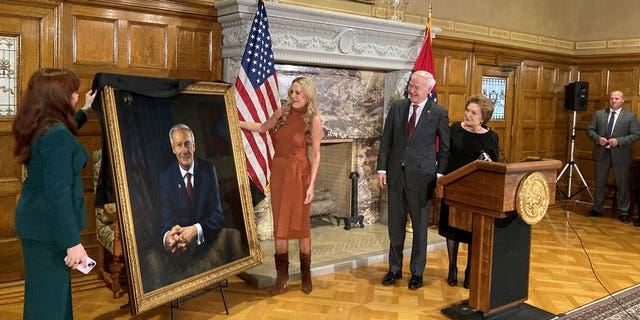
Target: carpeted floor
334,249
624,304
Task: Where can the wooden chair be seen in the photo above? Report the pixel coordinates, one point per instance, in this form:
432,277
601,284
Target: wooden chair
110,257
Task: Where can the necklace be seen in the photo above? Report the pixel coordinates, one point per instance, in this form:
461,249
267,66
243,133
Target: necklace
470,128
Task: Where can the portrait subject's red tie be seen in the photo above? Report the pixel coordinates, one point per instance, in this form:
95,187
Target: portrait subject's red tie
189,186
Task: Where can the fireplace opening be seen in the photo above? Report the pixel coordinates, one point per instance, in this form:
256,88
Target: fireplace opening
333,185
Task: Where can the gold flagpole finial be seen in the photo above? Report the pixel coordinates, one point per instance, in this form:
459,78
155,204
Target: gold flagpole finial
428,23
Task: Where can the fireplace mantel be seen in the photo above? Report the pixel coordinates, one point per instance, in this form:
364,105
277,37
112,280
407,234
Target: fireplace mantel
312,37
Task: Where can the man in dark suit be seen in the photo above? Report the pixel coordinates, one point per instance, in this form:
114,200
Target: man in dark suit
409,165
613,130
192,211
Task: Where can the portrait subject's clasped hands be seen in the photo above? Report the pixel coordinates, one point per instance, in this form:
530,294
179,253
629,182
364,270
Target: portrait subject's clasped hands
179,238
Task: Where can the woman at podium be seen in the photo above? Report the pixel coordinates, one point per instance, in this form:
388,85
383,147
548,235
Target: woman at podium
471,140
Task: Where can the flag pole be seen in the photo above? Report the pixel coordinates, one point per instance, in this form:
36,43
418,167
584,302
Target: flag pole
428,22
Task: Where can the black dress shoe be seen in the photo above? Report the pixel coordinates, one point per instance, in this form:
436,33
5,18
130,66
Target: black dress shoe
467,279
637,223
594,213
391,277
624,218
415,283
452,278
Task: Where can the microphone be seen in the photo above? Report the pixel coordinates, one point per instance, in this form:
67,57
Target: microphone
484,156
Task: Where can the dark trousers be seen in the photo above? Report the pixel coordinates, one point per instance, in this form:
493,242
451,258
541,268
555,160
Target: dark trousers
621,173
47,292
417,204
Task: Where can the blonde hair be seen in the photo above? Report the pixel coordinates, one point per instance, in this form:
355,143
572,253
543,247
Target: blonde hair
310,90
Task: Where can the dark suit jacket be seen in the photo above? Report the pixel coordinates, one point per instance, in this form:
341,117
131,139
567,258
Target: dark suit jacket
206,208
626,130
51,205
419,153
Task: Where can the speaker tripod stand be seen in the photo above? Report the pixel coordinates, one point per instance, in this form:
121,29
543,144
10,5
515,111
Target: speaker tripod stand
572,165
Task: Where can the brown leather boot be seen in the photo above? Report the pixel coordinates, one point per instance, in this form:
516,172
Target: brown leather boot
282,269
305,272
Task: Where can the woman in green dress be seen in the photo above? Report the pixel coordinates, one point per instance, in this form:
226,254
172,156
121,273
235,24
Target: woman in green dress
51,212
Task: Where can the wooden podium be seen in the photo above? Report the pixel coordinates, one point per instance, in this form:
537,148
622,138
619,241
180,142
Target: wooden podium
490,199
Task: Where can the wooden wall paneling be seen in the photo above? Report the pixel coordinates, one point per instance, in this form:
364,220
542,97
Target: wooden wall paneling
563,117
458,71
545,126
99,53
621,78
454,68
200,58
562,131
530,78
550,93
148,45
548,79
544,83
525,128
157,44
199,52
10,169
455,103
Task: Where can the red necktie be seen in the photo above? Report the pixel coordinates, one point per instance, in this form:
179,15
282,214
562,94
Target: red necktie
189,186
412,122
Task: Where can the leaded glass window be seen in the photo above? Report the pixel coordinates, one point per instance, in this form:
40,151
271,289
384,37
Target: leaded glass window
8,67
495,88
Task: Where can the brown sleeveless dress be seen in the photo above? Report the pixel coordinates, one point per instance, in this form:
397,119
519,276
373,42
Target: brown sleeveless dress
290,175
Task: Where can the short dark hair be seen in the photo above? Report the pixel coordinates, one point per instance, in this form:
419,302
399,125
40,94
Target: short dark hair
485,104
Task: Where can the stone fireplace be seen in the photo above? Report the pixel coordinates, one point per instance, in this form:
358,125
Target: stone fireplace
358,63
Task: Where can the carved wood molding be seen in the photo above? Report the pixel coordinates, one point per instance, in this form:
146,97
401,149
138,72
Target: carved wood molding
179,7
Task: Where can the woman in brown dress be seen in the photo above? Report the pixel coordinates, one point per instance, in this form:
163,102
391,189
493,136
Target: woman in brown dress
297,128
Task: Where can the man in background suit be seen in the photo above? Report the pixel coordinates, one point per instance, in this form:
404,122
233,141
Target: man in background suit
192,210
409,164
613,130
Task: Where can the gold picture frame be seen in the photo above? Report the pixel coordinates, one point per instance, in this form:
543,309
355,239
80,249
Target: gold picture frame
136,128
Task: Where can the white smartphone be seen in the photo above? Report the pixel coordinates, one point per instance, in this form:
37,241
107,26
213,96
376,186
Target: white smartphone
90,264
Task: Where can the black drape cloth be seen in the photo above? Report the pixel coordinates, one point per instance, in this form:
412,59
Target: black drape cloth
144,86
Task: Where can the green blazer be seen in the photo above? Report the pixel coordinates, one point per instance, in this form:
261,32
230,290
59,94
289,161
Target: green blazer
51,206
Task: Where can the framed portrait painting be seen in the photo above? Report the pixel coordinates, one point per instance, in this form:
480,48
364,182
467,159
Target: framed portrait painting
180,184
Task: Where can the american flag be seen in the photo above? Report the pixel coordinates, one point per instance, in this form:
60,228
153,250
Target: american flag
257,97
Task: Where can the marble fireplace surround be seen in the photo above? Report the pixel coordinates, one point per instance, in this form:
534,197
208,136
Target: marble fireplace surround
308,37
